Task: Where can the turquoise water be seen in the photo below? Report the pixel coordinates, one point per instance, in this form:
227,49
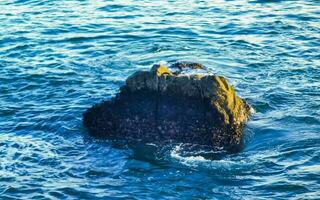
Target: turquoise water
57,58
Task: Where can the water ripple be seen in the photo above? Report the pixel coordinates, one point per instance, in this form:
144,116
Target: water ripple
57,58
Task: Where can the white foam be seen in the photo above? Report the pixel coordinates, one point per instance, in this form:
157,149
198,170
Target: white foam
252,110
189,160
239,162
162,62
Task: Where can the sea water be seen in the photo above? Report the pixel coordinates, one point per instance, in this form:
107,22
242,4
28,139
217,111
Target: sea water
59,57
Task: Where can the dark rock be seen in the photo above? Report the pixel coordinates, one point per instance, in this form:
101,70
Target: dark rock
182,103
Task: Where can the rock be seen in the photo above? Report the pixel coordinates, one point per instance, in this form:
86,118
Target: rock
183,103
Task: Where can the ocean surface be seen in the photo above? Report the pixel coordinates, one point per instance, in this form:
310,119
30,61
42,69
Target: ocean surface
59,57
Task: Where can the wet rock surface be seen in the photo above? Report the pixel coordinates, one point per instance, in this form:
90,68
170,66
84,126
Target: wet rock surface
182,103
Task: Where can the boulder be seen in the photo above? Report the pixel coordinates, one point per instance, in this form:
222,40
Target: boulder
183,103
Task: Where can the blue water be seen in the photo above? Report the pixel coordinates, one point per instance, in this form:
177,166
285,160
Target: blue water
57,58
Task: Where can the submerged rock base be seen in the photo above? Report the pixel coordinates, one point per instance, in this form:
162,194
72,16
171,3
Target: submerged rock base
183,103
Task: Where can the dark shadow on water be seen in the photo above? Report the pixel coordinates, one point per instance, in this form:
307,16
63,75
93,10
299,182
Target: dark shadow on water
159,153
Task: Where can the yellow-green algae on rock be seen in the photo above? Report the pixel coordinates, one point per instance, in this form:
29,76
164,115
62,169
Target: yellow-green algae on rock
183,103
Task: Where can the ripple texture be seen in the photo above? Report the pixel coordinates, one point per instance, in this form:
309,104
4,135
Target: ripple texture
57,58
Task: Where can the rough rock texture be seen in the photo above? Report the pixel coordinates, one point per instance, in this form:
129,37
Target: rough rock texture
182,103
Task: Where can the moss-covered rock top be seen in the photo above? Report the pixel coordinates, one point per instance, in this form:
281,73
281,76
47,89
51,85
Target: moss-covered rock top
185,79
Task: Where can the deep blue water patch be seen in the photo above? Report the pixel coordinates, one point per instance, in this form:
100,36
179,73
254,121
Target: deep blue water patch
57,58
